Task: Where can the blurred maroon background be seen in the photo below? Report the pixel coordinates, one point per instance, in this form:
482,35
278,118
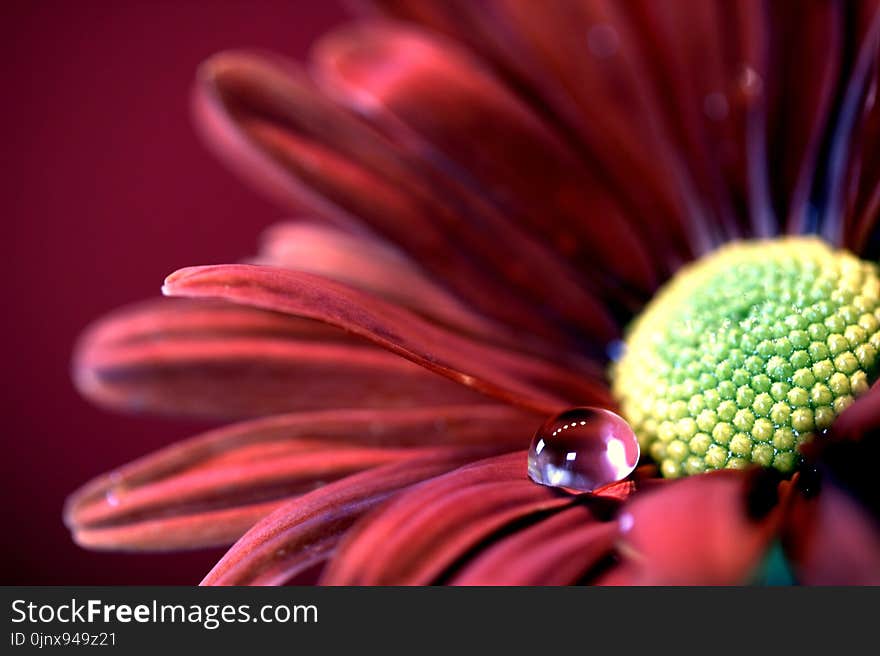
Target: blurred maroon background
105,190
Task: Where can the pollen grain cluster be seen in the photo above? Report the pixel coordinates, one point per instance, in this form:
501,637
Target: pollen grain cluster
747,353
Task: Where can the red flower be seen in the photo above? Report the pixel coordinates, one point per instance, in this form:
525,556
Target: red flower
492,191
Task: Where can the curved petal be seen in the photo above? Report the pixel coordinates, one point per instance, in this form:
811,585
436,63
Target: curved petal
505,375
420,535
304,532
703,530
220,360
209,489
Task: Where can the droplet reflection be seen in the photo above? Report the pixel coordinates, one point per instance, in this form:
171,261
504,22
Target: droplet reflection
583,449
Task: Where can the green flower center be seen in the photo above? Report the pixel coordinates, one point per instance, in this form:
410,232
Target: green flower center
749,352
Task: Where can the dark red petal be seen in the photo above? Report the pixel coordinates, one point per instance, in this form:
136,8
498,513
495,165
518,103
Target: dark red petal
832,540
417,537
209,489
305,531
805,41
505,375
743,92
856,187
343,170
705,67
557,551
697,531
833,532
863,197
175,532
432,98
219,360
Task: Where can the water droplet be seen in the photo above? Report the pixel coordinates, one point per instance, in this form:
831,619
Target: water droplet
583,449
603,41
715,106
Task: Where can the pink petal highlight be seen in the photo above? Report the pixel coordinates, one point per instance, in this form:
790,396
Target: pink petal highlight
305,531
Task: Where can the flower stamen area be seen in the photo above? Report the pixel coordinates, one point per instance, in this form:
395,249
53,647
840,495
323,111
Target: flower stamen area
749,352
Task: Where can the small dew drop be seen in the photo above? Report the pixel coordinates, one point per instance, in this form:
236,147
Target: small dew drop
715,106
603,41
583,449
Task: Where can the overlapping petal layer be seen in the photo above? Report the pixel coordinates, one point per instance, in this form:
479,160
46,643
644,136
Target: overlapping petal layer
209,489
218,360
297,537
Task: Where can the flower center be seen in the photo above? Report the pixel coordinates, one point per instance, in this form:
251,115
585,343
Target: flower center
747,353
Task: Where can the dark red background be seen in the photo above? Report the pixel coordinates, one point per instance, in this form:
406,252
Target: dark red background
105,189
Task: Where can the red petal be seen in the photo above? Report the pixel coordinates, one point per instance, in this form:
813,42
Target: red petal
417,537
696,531
207,490
219,360
304,532
505,375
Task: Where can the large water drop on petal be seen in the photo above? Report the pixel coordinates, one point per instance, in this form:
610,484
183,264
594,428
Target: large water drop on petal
583,449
